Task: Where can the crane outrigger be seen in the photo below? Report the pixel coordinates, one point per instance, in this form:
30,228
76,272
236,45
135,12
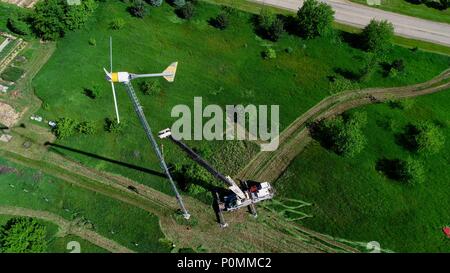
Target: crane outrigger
247,195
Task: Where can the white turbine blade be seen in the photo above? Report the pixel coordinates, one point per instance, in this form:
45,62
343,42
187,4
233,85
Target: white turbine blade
110,53
168,73
115,102
107,73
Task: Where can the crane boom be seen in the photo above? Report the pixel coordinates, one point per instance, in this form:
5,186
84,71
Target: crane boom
140,113
197,158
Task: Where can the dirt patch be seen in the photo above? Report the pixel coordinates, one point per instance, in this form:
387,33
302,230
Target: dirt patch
8,116
6,169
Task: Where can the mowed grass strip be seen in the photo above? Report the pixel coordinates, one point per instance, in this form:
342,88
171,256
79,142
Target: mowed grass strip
130,226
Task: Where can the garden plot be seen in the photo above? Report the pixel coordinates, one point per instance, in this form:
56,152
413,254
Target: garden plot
8,116
22,3
9,48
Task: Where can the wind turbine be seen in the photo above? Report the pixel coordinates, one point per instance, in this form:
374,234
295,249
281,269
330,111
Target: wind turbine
125,78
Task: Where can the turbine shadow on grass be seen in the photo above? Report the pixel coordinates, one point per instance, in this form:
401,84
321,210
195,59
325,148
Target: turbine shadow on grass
123,164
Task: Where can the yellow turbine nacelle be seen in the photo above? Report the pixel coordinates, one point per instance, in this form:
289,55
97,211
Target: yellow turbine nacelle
120,77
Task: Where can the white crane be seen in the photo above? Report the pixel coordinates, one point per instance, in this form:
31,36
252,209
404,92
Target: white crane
250,193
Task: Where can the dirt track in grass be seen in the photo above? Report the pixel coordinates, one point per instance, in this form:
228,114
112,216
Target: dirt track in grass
268,166
67,227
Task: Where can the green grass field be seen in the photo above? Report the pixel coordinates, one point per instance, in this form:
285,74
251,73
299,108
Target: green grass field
353,201
417,10
29,188
5,9
56,244
224,67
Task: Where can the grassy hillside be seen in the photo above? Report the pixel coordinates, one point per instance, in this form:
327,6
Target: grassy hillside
353,200
29,188
57,244
224,67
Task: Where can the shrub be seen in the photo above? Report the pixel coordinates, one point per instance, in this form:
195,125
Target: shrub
17,24
151,87
52,18
86,128
92,92
138,9
221,21
111,126
187,11
377,36
315,19
398,64
423,137
155,3
342,134
265,18
65,127
269,53
411,171
117,23
340,84
92,42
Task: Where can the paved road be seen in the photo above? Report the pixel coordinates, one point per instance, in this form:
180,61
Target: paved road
360,15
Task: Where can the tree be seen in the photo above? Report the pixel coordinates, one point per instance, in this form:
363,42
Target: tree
411,171
65,127
377,36
342,134
138,9
444,4
52,18
428,138
48,19
265,18
315,19
23,235
17,24
187,11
